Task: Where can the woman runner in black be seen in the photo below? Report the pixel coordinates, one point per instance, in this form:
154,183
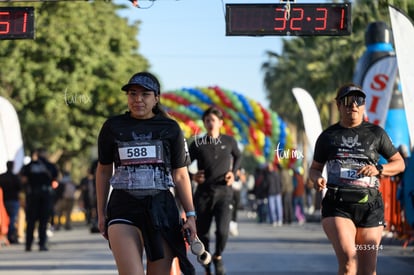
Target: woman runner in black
218,159
142,155
352,208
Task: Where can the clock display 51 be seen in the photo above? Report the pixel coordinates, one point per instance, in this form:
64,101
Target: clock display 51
16,23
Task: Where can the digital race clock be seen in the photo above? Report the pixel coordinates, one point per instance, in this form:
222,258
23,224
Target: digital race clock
293,19
16,23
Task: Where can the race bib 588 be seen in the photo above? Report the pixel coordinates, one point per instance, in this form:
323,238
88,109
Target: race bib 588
134,152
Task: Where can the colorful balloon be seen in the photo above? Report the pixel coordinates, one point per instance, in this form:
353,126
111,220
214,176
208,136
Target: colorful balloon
261,132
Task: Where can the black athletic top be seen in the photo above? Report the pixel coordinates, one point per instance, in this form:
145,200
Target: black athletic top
216,156
40,174
345,150
144,151
11,185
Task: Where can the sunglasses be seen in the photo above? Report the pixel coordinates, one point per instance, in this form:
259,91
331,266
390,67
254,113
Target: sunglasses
349,101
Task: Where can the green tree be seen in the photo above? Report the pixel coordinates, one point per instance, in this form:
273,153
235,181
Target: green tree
66,81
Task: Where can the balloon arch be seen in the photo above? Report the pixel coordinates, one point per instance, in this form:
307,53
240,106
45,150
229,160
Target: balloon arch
262,132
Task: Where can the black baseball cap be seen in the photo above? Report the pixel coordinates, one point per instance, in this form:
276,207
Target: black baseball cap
348,90
143,79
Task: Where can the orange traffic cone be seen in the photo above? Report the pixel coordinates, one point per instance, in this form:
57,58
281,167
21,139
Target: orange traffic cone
4,222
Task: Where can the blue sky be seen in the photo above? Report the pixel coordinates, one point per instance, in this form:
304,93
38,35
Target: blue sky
186,46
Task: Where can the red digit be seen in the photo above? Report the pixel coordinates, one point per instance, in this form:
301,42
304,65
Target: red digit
280,17
342,18
296,19
4,25
20,19
24,22
322,19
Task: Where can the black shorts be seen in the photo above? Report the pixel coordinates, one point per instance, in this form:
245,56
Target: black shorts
369,214
156,216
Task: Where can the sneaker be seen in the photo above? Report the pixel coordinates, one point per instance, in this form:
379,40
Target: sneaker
43,248
234,231
218,266
49,233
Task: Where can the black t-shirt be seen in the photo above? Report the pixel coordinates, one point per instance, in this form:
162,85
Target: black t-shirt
11,185
261,186
155,144
40,173
345,150
274,181
216,156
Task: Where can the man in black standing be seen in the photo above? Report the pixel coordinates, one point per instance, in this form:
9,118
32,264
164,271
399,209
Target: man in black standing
37,176
218,159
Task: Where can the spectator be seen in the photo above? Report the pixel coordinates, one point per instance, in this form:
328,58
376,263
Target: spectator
272,176
298,196
66,201
261,193
11,185
37,177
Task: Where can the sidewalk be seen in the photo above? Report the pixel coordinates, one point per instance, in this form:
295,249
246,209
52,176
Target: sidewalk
259,249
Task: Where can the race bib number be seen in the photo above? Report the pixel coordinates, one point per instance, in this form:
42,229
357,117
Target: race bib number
138,152
352,175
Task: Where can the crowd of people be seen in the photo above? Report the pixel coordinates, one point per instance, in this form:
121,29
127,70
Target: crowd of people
40,199
278,195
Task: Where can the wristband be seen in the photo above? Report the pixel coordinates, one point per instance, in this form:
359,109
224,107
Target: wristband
380,168
190,214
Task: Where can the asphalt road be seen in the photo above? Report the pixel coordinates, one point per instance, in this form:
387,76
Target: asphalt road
259,249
